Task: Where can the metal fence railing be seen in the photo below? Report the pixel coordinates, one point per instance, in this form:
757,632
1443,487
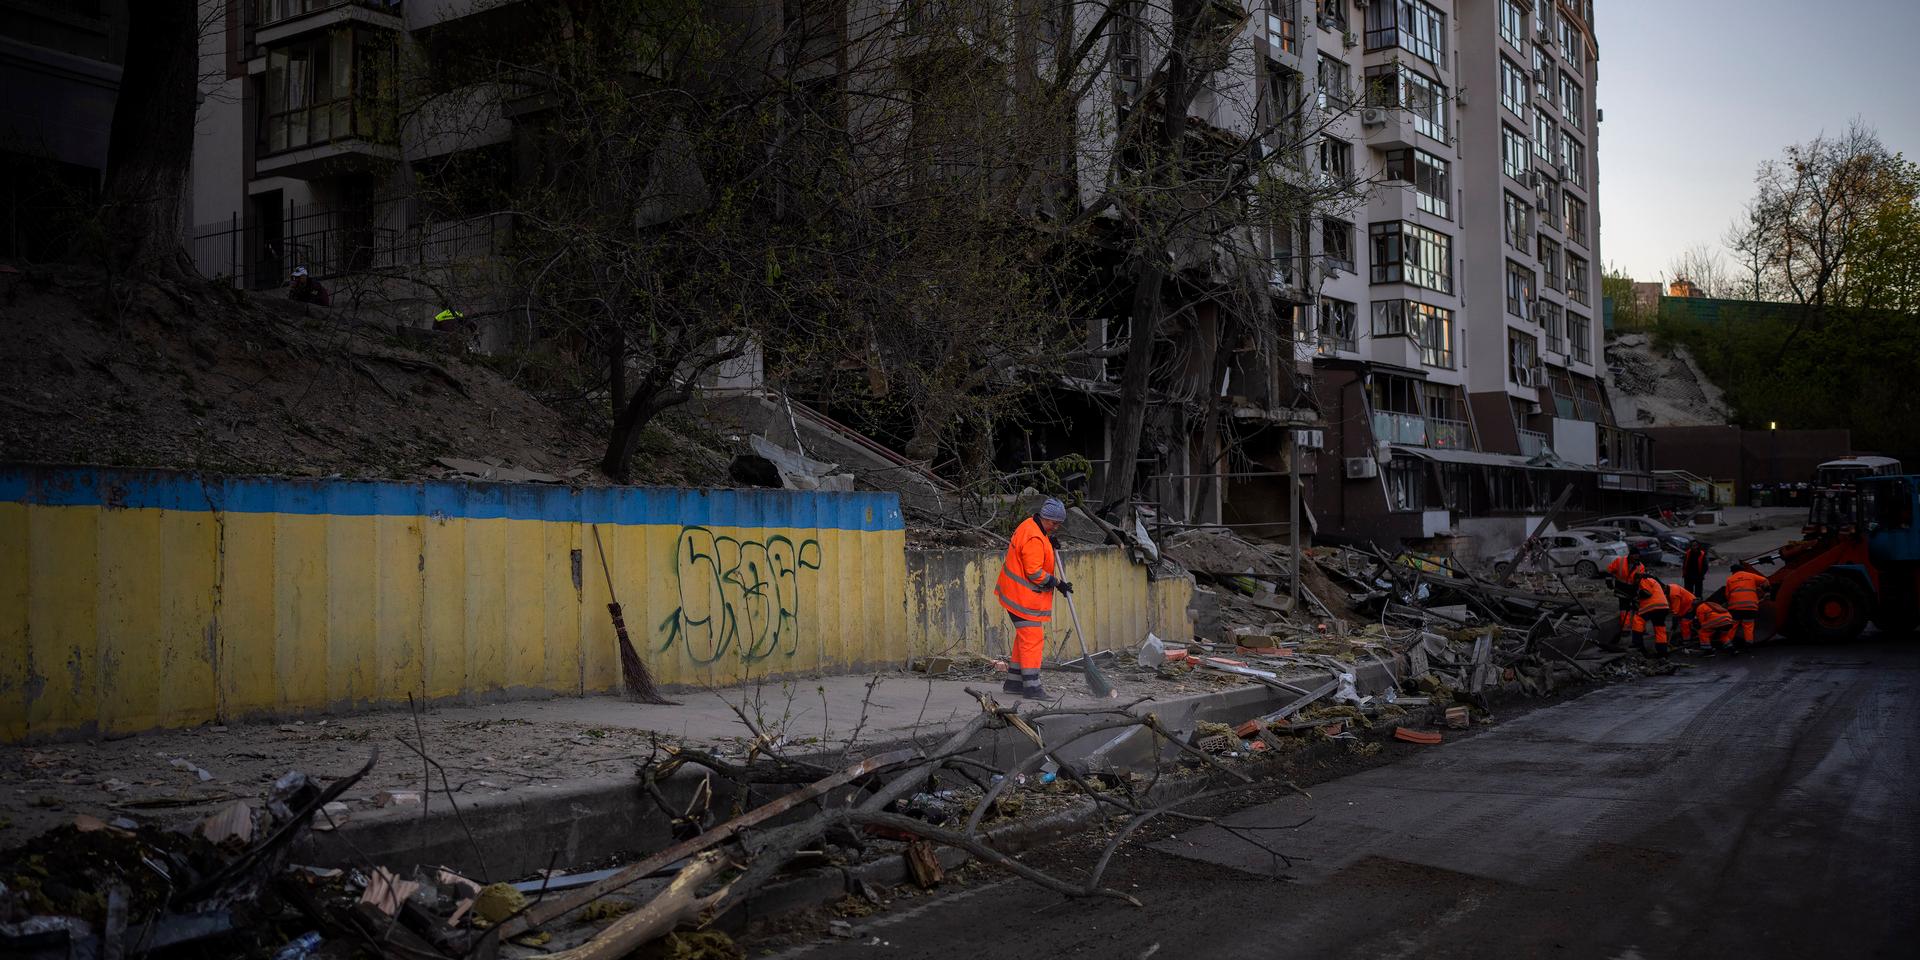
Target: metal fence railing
335,243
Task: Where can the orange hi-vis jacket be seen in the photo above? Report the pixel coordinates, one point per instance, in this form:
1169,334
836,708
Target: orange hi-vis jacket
1626,570
1680,600
1026,576
1712,616
1653,596
1743,590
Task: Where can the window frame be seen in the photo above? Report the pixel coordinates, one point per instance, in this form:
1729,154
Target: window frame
1415,26
1331,325
1515,233
1513,23
1514,165
1430,175
1342,153
1579,279
1430,327
1520,290
1329,228
1513,97
1399,251
1572,102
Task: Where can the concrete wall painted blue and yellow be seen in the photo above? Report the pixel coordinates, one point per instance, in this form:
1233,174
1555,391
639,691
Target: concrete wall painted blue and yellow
132,600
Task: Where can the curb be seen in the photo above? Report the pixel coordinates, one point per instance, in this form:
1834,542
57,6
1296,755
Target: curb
563,825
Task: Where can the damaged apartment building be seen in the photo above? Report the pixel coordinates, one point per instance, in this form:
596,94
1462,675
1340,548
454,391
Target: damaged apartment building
1444,320
1436,328
1455,341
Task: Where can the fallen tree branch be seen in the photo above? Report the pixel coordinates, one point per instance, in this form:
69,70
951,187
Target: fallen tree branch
686,848
675,905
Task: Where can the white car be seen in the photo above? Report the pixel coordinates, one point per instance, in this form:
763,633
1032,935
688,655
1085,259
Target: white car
1583,553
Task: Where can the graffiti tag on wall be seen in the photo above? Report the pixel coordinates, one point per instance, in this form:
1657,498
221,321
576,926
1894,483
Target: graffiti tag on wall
737,595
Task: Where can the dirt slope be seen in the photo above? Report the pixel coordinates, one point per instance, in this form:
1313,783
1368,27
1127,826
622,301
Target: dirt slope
244,385
1652,387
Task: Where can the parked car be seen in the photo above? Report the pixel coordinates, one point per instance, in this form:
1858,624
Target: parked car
1669,537
1647,550
1583,553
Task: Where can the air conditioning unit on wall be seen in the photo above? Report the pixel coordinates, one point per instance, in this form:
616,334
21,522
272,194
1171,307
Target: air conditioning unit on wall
1361,468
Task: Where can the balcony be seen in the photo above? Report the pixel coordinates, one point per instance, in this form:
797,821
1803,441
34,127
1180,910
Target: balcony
1532,442
275,21
1449,434
330,108
1407,428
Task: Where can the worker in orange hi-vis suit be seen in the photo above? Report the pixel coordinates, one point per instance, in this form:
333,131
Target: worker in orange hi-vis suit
1652,612
1680,604
1745,587
1623,574
1716,625
1028,580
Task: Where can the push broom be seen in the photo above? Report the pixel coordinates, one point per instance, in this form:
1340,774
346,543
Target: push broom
633,670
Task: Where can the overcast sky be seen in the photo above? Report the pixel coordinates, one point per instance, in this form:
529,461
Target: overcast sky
1699,92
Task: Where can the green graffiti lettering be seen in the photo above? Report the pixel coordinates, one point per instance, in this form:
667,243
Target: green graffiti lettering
738,595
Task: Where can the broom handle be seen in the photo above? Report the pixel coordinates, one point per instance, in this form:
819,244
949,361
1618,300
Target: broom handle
601,549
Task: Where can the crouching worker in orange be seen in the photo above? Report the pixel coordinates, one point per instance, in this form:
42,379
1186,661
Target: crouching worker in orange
1716,627
1652,613
1745,587
1026,587
1623,574
1680,604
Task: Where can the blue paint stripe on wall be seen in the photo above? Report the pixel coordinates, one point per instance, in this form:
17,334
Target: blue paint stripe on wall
474,500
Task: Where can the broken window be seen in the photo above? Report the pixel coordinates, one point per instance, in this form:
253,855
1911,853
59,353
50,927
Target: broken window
1330,85
1409,253
1336,159
1548,252
1338,325
1522,356
1404,486
1428,174
1428,326
1550,318
1519,291
1577,279
1580,337
1337,239
1516,224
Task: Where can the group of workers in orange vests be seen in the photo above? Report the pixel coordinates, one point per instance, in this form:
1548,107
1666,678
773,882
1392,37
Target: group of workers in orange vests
1648,606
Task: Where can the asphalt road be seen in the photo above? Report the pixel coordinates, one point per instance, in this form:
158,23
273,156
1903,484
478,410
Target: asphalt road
1759,806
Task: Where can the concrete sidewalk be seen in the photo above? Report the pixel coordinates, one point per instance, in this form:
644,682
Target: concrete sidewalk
536,780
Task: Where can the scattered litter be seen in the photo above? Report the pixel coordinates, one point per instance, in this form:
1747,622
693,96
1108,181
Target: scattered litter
180,763
233,823
386,891
1416,736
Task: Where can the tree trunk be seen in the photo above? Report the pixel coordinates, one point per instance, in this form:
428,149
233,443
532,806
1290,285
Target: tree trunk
150,147
1123,447
632,420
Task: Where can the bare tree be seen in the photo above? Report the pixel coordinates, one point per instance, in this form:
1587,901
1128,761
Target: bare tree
1811,211
1702,266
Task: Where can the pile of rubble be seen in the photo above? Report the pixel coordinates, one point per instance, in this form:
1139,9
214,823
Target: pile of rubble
1452,632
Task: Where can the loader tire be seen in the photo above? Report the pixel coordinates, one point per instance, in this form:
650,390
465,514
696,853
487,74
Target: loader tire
1830,608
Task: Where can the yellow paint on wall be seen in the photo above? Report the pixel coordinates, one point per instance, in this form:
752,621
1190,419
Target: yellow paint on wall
188,622
397,608
16,663
248,636
353,574
525,558
130,628
301,601
62,623
129,619
443,578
